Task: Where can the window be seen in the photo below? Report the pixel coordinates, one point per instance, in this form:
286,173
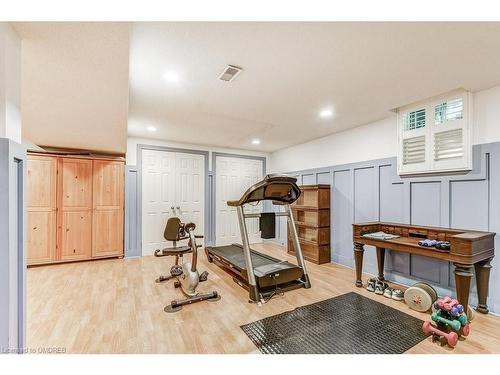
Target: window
435,135
451,110
414,120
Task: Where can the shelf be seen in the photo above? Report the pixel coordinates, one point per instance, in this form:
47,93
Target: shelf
314,226
307,208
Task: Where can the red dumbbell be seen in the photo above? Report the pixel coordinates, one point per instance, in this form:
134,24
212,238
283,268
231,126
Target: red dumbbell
465,330
451,338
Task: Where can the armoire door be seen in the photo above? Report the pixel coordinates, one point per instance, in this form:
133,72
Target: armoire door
173,184
75,197
41,209
108,196
233,176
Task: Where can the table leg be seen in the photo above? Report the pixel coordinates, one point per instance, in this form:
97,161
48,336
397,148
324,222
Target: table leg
463,275
482,281
358,260
380,262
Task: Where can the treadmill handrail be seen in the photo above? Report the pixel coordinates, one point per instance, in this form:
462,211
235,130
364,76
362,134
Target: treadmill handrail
263,190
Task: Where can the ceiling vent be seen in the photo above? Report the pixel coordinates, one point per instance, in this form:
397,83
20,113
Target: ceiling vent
230,73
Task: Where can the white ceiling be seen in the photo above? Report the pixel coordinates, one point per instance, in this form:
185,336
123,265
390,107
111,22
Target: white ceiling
77,90
74,89
291,71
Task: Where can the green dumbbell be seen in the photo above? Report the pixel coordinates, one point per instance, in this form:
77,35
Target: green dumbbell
463,319
454,324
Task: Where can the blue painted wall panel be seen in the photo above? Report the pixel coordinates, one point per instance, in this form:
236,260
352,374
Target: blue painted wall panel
342,217
372,190
309,179
469,204
426,203
391,196
324,178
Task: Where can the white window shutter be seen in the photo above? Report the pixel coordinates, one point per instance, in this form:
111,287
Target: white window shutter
435,135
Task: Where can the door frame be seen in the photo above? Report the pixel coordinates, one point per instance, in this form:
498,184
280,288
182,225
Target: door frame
140,148
213,217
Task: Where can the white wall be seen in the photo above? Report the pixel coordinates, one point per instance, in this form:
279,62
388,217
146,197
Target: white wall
10,83
132,143
379,139
372,141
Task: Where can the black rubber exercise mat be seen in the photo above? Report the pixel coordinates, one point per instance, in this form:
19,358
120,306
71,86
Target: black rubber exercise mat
347,324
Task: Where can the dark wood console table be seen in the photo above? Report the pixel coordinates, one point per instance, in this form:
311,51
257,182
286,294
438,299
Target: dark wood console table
468,249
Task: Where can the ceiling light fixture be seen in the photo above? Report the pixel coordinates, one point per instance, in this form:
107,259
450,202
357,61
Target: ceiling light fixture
256,141
171,77
151,129
326,113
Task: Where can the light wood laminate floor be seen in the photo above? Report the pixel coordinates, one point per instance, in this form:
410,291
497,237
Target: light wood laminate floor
114,306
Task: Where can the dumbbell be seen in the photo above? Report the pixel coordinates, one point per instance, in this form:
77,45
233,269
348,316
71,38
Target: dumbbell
454,324
451,338
465,330
456,310
463,319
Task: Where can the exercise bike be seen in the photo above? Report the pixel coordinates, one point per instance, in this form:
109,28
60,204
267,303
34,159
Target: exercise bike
186,274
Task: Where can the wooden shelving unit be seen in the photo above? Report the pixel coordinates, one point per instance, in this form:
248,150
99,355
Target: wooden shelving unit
312,219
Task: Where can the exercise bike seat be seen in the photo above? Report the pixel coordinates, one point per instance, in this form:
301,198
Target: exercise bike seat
172,251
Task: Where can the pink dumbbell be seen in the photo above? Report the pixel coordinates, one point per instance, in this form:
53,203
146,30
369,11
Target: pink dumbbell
451,338
465,330
446,303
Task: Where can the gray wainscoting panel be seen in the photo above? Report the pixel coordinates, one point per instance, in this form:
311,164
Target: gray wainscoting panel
132,214
391,196
365,195
426,203
308,179
324,178
12,246
342,208
469,204
372,190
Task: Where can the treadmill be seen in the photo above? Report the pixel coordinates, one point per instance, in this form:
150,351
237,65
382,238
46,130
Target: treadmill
267,275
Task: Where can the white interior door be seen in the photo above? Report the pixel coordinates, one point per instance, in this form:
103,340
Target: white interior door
173,184
158,197
190,190
233,177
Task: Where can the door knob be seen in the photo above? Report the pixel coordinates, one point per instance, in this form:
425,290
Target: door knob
178,207
171,207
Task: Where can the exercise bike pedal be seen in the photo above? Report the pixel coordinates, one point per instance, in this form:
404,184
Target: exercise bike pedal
177,284
203,276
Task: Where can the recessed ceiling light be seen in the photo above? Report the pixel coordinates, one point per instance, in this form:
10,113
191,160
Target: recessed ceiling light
256,141
171,77
326,113
151,129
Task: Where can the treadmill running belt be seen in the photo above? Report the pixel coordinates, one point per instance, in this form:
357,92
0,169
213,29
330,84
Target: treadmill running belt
269,272
234,254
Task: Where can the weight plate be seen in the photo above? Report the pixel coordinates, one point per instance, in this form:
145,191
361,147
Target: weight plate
470,313
429,289
418,299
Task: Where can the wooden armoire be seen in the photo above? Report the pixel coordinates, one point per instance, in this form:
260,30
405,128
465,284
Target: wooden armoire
75,208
